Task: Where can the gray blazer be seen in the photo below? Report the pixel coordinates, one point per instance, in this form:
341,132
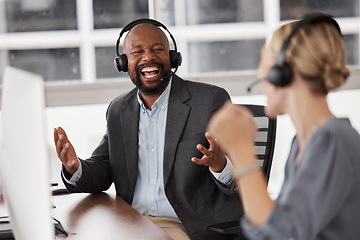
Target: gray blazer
198,199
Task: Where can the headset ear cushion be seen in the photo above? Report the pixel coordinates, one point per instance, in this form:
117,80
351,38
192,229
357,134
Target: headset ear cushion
280,75
175,58
116,63
121,63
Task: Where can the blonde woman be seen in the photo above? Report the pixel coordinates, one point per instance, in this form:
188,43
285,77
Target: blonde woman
320,196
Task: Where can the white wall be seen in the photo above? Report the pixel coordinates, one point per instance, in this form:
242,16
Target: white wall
86,124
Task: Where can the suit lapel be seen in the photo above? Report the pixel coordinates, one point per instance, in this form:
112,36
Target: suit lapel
130,129
177,115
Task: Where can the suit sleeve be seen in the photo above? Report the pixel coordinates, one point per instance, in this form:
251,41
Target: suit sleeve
220,98
96,171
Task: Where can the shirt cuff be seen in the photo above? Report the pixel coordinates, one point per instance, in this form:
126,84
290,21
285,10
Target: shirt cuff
224,176
75,177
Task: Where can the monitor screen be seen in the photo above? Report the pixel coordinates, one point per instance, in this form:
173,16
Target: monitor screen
24,165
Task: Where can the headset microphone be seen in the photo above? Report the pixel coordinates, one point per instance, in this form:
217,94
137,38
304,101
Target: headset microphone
168,76
171,74
252,84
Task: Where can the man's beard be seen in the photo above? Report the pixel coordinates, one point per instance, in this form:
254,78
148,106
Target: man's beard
154,90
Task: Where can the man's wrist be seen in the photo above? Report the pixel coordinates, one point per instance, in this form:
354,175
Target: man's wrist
224,176
72,179
67,175
220,168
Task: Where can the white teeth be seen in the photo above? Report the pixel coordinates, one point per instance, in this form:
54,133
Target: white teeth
149,69
149,76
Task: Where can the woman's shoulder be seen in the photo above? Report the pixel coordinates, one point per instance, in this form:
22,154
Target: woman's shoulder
339,135
341,128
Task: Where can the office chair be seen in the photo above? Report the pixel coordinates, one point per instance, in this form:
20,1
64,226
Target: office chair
264,149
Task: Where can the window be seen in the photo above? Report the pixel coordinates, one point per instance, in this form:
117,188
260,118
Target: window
219,11
291,9
72,42
39,15
116,14
351,42
104,67
59,64
206,57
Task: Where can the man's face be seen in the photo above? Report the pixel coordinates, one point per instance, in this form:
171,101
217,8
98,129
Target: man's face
147,50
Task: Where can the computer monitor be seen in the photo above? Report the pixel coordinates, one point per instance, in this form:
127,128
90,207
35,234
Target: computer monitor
24,165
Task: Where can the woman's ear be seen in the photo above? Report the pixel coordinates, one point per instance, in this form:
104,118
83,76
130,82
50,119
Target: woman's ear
289,61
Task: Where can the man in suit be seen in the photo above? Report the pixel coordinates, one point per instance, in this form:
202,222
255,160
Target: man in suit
156,150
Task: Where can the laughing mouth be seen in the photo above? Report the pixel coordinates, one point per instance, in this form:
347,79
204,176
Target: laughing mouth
150,72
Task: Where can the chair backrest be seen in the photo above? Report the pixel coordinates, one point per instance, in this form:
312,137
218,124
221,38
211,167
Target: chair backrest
264,149
265,137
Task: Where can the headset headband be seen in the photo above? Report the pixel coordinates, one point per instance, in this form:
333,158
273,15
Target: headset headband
310,18
120,61
281,73
132,24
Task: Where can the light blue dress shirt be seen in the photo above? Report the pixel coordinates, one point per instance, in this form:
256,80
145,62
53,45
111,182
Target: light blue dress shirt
149,196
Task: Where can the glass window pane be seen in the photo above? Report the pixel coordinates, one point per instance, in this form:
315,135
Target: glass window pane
220,11
291,9
105,63
40,15
165,12
224,56
352,49
3,63
51,64
118,13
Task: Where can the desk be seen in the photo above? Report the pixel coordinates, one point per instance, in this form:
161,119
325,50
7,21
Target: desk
102,216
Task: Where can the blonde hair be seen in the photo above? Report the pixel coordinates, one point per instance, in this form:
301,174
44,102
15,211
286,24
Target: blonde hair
317,52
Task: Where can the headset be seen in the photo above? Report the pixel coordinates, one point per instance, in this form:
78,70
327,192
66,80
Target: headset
120,61
281,73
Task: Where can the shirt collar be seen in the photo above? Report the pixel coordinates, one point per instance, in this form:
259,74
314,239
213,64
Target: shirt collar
162,101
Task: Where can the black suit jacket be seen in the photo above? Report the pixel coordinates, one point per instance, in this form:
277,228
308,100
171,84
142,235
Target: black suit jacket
198,199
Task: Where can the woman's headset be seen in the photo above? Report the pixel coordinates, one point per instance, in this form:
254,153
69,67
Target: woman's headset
281,73
120,61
